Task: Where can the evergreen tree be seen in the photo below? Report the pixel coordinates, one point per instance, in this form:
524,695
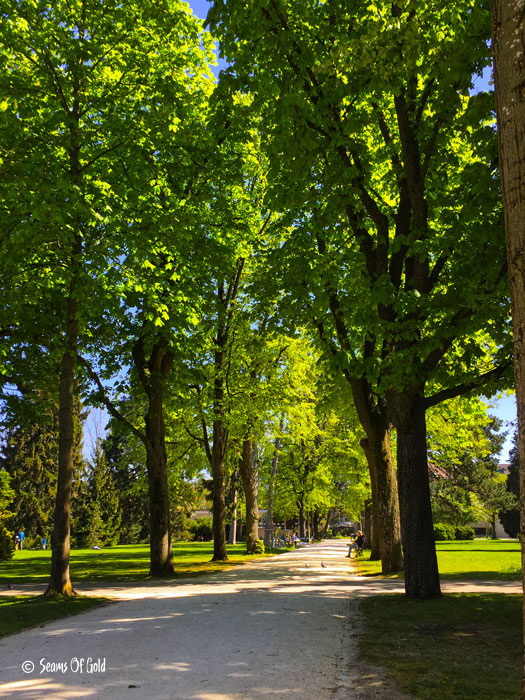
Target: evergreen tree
6,497
30,457
101,524
124,457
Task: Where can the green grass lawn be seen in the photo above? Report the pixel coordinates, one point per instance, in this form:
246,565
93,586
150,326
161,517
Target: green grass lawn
467,559
120,563
465,646
22,612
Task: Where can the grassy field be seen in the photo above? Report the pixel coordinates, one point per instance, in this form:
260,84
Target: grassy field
21,612
467,560
121,563
465,646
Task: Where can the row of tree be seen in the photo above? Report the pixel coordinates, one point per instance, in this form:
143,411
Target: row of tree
309,467
169,243
306,462
386,167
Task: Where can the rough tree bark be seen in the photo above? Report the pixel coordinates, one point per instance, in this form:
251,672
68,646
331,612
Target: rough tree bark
326,526
367,524
375,531
232,539
268,533
508,17
300,505
225,310
153,373
59,581
419,549
250,480
315,524
220,441
219,490
376,445
161,556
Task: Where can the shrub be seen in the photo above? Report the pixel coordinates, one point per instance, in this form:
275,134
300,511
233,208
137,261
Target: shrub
444,531
7,546
464,532
258,547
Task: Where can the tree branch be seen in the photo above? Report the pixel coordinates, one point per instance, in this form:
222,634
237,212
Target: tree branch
205,439
113,410
466,387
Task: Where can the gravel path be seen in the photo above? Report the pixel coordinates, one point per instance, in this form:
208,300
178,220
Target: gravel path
284,627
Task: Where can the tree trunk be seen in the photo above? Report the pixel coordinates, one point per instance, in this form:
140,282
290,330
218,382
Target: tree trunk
219,491
161,556
232,539
324,533
509,68
218,454
250,480
493,527
153,373
419,549
315,524
225,297
375,539
376,445
239,522
385,513
268,534
59,581
301,518
367,524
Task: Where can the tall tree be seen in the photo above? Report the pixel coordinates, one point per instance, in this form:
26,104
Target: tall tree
381,192
124,455
508,40
6,498
30,456
104,515
89,92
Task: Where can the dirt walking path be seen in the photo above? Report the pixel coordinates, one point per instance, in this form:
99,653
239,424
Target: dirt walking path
279,628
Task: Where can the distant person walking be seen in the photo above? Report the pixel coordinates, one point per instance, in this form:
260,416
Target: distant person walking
44,542
21,537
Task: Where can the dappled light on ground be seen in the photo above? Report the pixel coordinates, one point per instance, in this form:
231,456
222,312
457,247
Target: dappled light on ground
43,687
274,628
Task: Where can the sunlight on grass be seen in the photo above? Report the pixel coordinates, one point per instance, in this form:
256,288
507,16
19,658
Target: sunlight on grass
120,563
466,559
